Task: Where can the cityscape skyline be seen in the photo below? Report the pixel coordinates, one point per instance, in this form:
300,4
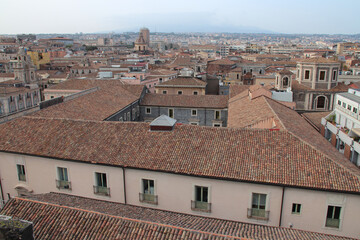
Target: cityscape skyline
287,17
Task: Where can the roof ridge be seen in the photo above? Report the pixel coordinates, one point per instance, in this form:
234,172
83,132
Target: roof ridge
266,98
129,219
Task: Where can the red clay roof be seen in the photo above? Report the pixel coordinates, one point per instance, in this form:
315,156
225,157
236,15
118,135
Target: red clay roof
249,155
82,218
111,97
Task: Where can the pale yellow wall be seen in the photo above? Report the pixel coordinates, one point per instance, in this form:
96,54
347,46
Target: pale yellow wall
37,60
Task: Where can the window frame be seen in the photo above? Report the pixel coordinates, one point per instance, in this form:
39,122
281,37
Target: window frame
192,112
102,189
260,211
202,206
148,197
20,169
101,174
327,225
164,92
179,92
173,112
195,93
334,75
305,71
148,110
320,72
62,170
297,209
215,115
61,181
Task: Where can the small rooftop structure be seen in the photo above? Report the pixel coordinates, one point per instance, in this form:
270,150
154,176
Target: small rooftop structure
162,123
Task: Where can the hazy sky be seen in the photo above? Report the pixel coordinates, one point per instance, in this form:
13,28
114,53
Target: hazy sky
88,16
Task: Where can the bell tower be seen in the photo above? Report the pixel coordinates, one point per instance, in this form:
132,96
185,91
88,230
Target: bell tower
24,70
283,80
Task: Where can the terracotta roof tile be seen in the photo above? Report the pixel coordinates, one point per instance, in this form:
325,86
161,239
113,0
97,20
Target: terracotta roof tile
314,118
200,151
111,97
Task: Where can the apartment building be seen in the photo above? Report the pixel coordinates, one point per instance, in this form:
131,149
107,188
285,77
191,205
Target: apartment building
341,126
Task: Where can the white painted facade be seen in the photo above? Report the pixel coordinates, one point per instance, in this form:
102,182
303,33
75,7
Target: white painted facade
229,199
347,123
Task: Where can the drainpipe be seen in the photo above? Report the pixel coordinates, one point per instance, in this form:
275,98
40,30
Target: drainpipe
205,117
124,182
2,193
282,205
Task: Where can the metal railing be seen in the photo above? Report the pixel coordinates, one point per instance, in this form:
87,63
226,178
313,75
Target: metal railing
22,177
200,206
148,198
258,213
102,190
334,223
60,184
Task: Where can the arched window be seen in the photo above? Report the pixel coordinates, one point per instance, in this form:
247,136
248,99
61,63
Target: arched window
321,102
285,81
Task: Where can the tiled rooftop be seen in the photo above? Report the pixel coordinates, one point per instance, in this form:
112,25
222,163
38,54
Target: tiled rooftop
248,155
314,118
199,101
60,216
112,96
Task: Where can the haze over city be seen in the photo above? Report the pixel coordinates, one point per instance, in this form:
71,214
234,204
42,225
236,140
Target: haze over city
230,119
261,16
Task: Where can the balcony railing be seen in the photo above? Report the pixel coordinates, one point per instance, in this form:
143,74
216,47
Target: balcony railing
22,177
200,206
258,213
334,223
148,198
102,190
60,184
